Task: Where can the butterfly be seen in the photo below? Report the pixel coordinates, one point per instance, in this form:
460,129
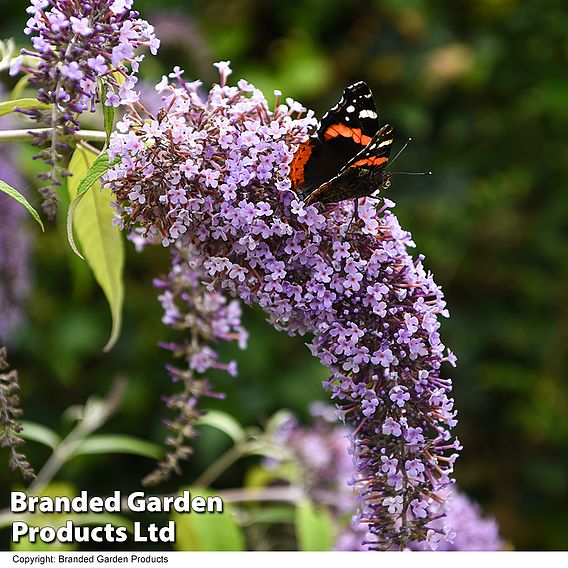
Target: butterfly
346,157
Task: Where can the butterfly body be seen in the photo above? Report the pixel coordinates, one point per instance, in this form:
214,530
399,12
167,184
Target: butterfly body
346,158
351,184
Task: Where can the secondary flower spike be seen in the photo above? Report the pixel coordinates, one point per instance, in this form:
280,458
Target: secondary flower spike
207,317
76,45
210,176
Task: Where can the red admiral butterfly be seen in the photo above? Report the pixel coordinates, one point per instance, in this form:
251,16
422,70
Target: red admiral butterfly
346,158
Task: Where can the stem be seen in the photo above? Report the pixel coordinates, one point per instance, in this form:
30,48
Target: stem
28,134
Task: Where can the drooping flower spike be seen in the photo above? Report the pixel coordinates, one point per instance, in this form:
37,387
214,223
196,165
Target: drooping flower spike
210,177
320,450
206,317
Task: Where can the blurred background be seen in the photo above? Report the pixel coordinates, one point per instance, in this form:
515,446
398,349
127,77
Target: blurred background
482,88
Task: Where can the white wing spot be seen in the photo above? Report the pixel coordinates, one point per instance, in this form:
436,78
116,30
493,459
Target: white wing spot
385,143
367,114
350,108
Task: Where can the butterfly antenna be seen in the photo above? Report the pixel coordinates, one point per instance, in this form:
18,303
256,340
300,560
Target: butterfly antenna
410,173
400,152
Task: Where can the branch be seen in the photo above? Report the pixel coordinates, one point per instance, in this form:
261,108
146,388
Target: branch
28,134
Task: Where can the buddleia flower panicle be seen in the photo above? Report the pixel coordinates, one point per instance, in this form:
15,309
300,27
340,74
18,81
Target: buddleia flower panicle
320,449
10,413
81,48
14,242
210,177
465,525
203,318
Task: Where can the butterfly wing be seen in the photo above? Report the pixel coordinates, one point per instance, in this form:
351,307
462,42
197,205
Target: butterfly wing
343,131
347,184
376,153
312,165
351,123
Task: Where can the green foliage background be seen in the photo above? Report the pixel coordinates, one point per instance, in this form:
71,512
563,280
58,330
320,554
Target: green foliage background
481,86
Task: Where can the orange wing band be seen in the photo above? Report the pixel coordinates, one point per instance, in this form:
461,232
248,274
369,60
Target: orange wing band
298,163
336,130
374,161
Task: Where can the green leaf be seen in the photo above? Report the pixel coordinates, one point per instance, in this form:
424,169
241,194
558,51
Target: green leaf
39,433
266,449
224,422
97,169
314,528
108,111
272,515
257,477
19,87
118,444
277,421
21,199
208,531
7,107
100,241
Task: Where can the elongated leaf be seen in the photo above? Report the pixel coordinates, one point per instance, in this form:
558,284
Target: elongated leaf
21,199
257,477
272,515
108,111
40,433
277,420
224,422
100,241
7,107
207,531
314,529
19,87
118,444
97,169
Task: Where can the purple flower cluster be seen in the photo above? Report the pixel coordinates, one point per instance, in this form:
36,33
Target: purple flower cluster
77,44
467,527
464,524
322,452
205,317
14,244
210,175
